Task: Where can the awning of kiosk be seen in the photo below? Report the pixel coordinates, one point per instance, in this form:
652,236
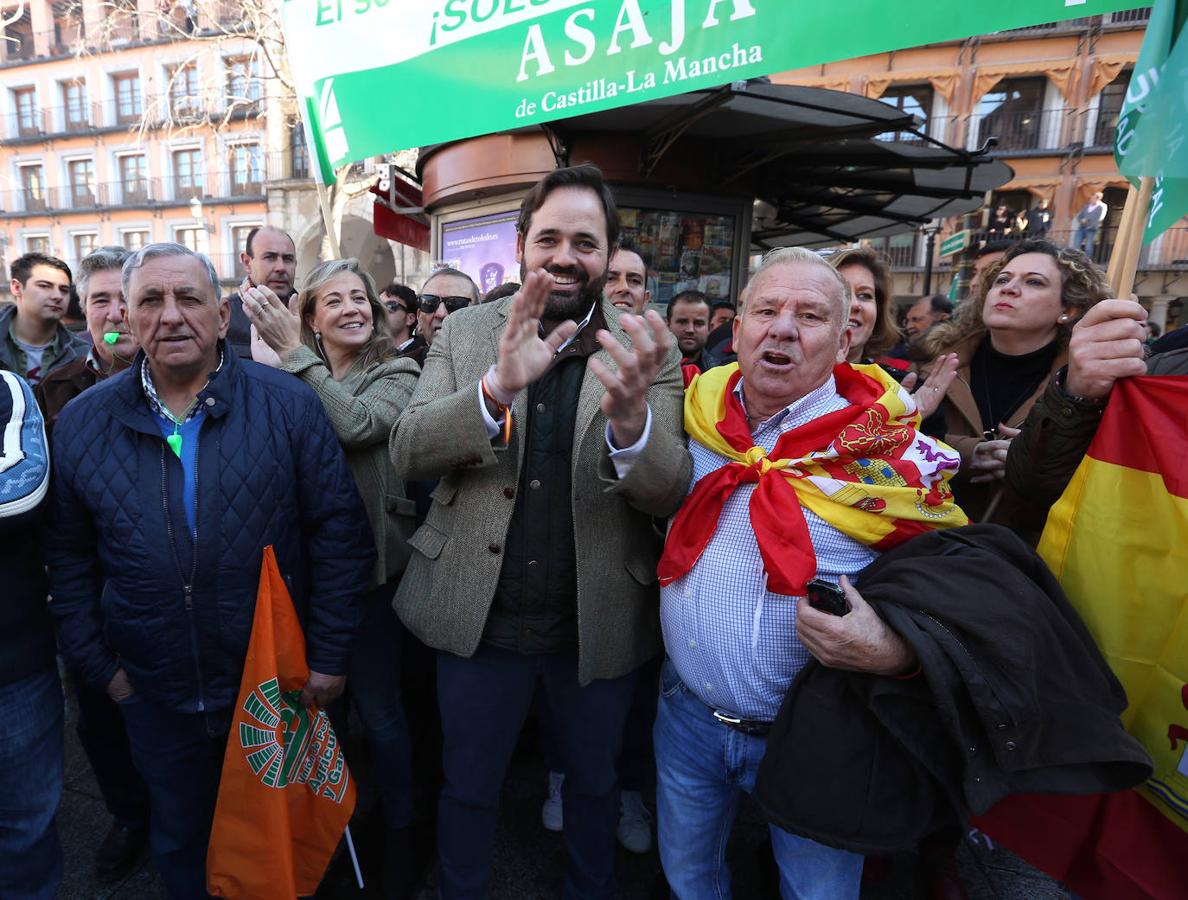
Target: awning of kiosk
828,166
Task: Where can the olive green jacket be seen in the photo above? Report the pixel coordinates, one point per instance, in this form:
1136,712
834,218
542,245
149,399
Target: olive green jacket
363,407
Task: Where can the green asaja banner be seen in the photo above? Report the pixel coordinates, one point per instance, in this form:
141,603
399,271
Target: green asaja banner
1152,134
383,75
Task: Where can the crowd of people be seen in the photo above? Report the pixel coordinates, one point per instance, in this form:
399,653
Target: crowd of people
548,498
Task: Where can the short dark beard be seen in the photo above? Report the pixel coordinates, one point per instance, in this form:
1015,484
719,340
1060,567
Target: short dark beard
559,307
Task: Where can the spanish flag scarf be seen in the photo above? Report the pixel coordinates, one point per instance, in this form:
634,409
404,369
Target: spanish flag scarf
866,470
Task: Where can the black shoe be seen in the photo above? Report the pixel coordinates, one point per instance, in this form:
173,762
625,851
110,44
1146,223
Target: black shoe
119,852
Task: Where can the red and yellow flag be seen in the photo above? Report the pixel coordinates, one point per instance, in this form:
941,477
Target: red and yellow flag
1118,541
865,469
286,793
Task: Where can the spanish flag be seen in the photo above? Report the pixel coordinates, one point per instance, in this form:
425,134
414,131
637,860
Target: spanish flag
1118,541
286,794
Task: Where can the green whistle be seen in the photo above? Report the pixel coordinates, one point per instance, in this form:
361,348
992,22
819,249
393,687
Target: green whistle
110,337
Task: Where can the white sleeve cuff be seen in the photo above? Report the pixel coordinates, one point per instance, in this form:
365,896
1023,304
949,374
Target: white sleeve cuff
625,458
492,425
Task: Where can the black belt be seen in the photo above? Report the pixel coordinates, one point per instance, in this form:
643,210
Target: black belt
748,727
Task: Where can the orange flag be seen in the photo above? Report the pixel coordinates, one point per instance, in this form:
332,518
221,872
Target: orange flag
286,793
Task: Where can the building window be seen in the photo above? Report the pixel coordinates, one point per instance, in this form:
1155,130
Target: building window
239,235
84,244
189,237
17,41
187,173
33,188
1013,112
123,21
184,100
247,176
243,81
74,105
81,174
68,28
25,101
37,243
914,100
134,178
299,152
127,94
1108,108
134,239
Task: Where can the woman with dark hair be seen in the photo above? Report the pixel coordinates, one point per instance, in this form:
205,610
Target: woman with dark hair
1010,338
335,338
872,322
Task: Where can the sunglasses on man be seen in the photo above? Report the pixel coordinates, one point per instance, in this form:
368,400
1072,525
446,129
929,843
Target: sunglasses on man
396,306
430,302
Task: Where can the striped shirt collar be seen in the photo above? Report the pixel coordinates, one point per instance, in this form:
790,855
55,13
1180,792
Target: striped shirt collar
155,404
801,411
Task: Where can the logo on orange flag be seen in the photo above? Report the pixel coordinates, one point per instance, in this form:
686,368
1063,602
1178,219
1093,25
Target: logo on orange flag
286,794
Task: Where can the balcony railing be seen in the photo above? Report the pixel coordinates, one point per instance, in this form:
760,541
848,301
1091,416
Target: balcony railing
115,114
1129,17
1048,27
121,29
935,127
1025,130
168,190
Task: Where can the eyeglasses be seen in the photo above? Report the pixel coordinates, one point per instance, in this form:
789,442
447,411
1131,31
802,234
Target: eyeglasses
430,302
396,306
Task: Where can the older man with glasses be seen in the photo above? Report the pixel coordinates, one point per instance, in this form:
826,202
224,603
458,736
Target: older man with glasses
445,291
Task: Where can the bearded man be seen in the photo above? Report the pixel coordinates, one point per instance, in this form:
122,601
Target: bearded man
555,428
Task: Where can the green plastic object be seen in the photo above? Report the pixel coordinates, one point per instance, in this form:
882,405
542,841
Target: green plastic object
110,337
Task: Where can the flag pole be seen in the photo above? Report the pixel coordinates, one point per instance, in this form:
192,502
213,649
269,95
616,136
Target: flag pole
354,858
324,206
1129,243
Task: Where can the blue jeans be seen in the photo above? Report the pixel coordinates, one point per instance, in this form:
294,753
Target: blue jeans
1085,240
31,762
701,768
180,758
484,701
374,683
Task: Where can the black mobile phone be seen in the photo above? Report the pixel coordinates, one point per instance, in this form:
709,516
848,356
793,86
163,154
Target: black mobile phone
827,597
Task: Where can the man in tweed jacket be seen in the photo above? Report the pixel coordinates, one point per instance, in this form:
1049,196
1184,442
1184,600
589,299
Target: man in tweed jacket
555,427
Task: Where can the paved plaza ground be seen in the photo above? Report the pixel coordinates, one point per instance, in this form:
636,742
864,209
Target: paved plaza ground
528,859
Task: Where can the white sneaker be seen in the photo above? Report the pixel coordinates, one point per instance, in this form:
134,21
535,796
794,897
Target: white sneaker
550,812
635,823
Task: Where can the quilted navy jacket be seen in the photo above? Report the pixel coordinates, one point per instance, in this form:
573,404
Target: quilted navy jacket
128,587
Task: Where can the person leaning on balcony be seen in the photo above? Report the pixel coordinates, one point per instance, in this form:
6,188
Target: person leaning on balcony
270,258
33,340
1009,341
1089,222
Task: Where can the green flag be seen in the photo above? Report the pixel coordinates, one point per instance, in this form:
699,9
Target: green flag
1152,135
383,75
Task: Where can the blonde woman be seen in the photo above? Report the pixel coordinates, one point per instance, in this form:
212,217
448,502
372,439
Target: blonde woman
335,338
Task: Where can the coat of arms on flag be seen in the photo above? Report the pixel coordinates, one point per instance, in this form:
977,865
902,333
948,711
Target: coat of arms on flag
286,793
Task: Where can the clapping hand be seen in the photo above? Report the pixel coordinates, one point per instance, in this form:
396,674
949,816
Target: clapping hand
625,402
277,325
523,354
929,395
